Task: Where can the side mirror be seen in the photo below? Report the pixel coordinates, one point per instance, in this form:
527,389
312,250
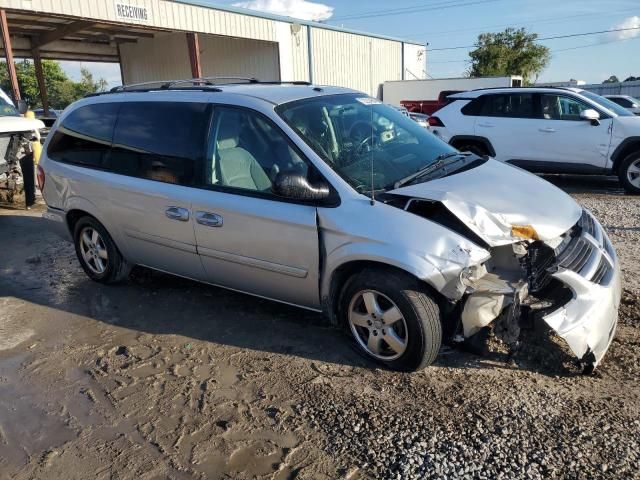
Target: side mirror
297,187
22,107
590,115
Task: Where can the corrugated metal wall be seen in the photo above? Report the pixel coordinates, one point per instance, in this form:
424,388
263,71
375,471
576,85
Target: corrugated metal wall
354,61
166,57
338,58
300,51
165,14
620,88
237,56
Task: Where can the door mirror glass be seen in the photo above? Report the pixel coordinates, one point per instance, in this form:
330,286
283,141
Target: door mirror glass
590,115
296,187
22,107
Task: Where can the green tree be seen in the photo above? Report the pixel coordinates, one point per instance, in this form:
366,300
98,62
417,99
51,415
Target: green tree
511,52
611,79
60,88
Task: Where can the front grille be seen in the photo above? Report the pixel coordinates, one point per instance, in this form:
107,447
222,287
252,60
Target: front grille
576,255
587,251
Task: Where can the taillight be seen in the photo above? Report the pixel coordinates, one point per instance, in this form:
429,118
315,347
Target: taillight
435,122
40,178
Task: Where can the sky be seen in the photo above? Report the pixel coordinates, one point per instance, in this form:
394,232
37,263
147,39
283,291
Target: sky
457,23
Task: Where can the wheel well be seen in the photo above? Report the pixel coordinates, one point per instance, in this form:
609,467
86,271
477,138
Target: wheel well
347,270
73,216
624,152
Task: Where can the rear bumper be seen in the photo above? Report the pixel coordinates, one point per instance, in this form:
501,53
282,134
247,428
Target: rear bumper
588,321
57,222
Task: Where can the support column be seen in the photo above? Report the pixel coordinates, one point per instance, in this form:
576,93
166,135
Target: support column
120,65
8,52
194,54
37,63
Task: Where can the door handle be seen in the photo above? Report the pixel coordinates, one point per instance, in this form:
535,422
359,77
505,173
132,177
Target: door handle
486,125
547,130
209,219
177,213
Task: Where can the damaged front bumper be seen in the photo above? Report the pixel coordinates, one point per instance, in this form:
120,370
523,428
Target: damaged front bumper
573,284
588,321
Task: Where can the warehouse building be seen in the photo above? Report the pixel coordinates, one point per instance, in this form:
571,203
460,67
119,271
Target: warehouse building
167,40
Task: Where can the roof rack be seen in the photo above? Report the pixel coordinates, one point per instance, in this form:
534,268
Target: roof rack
204,83
524,87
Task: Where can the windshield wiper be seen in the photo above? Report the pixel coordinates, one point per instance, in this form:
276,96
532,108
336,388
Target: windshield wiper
432,167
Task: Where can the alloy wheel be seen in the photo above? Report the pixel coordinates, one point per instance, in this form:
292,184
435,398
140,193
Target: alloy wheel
93,250
378,325
633,173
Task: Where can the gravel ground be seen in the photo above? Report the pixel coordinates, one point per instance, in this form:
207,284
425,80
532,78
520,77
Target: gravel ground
165,378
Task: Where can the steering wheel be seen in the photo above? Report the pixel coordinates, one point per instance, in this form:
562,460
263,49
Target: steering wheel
366,145
362,135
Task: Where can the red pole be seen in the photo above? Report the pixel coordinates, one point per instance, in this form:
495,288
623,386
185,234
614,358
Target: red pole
194,54
8,52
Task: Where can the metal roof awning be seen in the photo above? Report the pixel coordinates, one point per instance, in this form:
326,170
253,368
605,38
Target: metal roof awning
67,38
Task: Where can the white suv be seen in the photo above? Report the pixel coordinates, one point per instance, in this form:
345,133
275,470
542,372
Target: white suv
546,130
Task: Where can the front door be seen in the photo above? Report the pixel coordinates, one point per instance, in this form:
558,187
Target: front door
564,138
249,239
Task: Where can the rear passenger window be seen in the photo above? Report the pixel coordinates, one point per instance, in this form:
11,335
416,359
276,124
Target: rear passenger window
473,108
84,137
512,105
162,141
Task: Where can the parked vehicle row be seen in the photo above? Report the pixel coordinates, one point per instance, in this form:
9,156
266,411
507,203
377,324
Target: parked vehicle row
327,199
549,130
428,107
625,101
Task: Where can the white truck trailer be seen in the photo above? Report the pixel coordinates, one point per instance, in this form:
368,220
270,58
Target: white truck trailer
396,91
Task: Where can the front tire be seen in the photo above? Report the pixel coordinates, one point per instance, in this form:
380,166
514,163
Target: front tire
97,252
392,319
629,173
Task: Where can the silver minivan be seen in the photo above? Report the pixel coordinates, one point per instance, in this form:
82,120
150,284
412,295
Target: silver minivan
325,198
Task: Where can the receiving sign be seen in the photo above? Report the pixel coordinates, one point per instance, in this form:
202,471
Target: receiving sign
125,11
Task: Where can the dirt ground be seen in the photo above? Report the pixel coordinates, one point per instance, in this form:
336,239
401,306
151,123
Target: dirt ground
167,378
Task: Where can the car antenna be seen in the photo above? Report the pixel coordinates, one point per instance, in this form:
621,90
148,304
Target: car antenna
373,195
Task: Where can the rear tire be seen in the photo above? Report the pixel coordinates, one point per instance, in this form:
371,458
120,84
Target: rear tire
392,318
97,252
629,173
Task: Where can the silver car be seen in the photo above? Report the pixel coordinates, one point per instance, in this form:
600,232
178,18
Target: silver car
327,199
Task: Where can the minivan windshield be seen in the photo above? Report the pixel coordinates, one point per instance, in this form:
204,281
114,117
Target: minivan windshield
365,141
6,109
608,104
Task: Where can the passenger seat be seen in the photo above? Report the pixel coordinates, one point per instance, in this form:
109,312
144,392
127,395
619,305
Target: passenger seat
236,166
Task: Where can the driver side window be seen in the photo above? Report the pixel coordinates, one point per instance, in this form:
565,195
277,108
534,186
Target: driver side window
561,107
247,151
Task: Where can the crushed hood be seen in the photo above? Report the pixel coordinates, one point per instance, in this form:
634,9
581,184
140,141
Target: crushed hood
19,124
493,197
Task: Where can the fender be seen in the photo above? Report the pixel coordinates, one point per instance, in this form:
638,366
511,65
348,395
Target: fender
473,138
624,149
379,253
